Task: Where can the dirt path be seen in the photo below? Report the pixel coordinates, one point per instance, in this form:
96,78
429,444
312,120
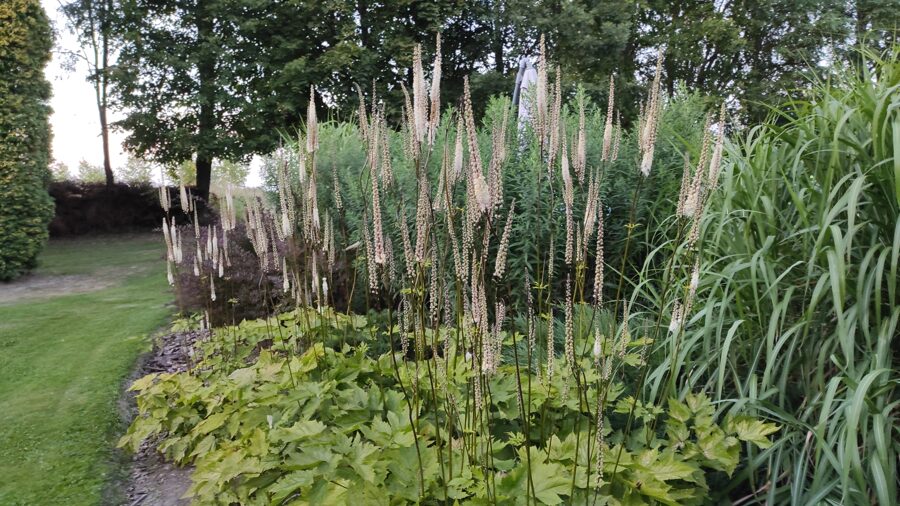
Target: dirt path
44,286
152,481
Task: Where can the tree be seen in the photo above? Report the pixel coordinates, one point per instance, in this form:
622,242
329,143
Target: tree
89,172
232,173
25,206
59,171
179,82
92,21
136,171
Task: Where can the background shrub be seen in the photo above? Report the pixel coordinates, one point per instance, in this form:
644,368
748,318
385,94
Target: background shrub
83,208
25,207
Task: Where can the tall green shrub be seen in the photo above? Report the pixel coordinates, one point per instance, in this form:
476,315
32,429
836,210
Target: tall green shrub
25,206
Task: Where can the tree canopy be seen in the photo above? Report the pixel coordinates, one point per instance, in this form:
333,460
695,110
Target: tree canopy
225,79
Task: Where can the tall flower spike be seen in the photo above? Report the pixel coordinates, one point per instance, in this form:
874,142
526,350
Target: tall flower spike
458,269
568,187
716,161
371,267
677,317
498,155
581,142
570,238
570,326
651,120
479,184
531,331
183,199
503,250
336,184
693,192
608,129
422,216
170,249
618,140
685,184
420,97
590,208
598,267
312,124
551,352
410,146
540,116
435,92
376,222
458,151
165,200
555,120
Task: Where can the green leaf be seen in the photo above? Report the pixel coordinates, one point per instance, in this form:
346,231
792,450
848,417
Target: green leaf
210,423
298,431
289,484
679,411
751,430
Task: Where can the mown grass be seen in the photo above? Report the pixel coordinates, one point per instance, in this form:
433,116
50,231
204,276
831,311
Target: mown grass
62,363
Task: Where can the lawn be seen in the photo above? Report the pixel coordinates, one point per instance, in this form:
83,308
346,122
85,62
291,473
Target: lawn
63,359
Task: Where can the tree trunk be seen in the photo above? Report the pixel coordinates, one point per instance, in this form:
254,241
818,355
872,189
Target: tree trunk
363,11
206,68
102,87
104,132
204,175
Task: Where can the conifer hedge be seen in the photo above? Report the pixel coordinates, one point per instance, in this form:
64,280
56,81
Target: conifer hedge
25,206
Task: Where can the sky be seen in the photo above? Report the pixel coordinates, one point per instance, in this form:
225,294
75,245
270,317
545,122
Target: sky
75,121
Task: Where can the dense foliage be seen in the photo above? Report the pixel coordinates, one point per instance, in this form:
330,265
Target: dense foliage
299,416
25,206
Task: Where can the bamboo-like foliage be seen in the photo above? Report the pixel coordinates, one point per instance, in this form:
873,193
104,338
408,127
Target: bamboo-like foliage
798,312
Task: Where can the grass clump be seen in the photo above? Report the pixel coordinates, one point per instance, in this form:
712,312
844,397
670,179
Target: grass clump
800,320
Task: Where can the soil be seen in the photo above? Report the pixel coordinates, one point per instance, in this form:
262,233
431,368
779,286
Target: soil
151,481
36,286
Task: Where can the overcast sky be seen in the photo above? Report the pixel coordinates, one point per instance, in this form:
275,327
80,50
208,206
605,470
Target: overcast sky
75,121
76,125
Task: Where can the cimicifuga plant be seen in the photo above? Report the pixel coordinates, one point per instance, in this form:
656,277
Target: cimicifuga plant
451,216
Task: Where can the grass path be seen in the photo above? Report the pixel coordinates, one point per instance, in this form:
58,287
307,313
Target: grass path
63,358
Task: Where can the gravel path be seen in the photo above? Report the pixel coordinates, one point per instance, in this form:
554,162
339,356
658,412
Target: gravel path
152,481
